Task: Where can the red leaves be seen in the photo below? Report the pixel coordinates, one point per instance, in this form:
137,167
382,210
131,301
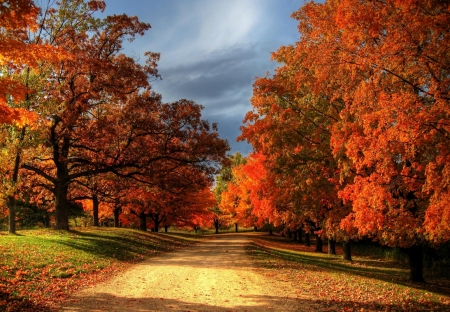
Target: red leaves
355,112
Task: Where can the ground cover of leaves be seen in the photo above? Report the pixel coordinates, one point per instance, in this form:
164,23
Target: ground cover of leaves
365,284
39,268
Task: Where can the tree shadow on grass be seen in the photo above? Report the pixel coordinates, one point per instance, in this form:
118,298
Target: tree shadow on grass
228,250
368,269
121,248
12,303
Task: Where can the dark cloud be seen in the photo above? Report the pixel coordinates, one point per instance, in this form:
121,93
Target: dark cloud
211,51
222,83
229,129
227,73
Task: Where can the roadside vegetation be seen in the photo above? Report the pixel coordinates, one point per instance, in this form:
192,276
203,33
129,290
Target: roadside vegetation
367,283
39,268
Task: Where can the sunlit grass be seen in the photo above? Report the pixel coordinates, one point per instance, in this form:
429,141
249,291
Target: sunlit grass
365,283
41,266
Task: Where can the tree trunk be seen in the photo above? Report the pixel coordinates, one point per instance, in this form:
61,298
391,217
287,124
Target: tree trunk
236,227
61,206
46,220
116,217
256,229
156,221
11,214
95,205
166,228
415,254
299,234
346,246
331,246
217,225
289,233
11,200
270,231
143,222
319,243
307,241
295,236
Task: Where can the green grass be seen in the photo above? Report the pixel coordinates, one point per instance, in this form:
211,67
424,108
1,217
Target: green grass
366,283
39,267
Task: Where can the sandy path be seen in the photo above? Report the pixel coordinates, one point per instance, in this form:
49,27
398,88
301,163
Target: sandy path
214,275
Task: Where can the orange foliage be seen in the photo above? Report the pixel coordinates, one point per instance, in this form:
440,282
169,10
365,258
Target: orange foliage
17,52
360,109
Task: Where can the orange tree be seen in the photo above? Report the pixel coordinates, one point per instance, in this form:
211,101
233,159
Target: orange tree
250,195
101,115
291,127
20,51
383,65
223,180
22,54
78,89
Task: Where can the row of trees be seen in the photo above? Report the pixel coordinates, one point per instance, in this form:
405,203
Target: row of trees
80,121
351,134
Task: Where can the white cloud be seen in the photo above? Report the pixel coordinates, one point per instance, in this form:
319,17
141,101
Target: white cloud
192,30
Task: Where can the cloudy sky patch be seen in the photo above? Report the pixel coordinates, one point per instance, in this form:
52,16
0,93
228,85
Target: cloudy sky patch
212,50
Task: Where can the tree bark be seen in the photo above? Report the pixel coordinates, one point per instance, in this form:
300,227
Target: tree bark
61,206
156,221
346,246
11,200
46,220
289,234
319,244
11,214
331,246
95,204
307,241
116,217
166,228
295,236
236,227
415,254
299,234
143,222
217,225
256,229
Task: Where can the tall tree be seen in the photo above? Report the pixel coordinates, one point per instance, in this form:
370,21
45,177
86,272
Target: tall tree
96,76
22,54
387,61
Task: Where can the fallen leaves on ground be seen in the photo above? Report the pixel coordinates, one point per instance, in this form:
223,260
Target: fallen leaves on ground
39,268
362,285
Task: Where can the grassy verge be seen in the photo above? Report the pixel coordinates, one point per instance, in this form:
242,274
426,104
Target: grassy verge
365,284
39,268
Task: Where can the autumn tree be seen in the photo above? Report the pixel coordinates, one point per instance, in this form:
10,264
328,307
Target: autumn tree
384,66
22,53
291,127
223,179
81,85
101,114
251,194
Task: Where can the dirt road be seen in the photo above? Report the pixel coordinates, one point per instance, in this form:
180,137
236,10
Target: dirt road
214,275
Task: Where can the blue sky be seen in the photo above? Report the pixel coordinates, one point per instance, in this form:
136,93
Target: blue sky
212,50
